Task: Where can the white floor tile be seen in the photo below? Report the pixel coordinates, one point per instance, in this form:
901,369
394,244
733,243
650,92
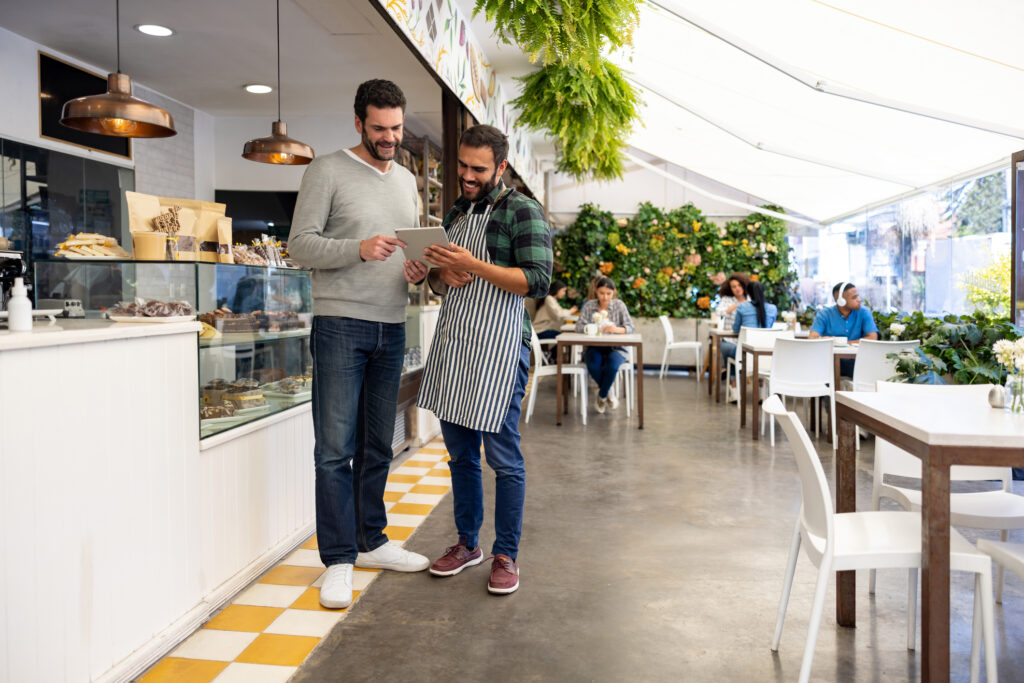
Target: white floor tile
396,486
405,520
417,471
427,457
388,506
437,481
302,622
220,646
304,557
422,498
237,672
270,595
361,580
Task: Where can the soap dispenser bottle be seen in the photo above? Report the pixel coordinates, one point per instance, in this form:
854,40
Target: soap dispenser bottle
19,308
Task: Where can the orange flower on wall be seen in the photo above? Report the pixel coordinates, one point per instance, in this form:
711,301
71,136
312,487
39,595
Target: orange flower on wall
704,302
639,283
606,267
755,277
667,271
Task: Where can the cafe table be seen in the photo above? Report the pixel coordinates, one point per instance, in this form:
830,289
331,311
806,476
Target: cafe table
942,431
567,340
756,352
717,336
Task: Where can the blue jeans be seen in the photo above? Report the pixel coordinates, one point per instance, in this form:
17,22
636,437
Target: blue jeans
548,334
505,458
357,366
603,364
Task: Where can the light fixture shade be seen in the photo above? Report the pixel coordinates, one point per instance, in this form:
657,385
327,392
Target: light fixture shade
117,113
278,148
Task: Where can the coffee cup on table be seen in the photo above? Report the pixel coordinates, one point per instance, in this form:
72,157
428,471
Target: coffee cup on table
840,341
590,329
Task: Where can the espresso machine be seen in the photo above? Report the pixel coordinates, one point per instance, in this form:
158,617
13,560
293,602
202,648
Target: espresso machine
12,265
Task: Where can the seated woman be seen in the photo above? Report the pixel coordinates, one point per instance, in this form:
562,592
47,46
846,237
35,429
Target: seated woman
550,315
754,312
603,361
732,293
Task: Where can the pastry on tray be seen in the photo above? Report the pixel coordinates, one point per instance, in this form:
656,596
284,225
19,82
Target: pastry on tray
221,409
250,398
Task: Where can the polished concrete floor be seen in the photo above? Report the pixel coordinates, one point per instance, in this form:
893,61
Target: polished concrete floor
653,555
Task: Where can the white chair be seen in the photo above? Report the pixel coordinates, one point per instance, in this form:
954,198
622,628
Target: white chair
873,366
861,540
1006,555
671,344
803,368
541,368
626,377
752,335
1000,510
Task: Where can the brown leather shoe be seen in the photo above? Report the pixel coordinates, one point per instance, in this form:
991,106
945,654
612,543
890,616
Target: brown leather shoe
455,559
504,575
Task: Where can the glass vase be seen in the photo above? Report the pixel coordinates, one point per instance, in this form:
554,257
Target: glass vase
1014,394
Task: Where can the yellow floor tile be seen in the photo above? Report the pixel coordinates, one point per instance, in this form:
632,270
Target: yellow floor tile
177,670
311,600
289,575
419,463
277,649
398,533
433,451
410,509
439,473
311,544
446,458
403,478
244,618
393,496
427,488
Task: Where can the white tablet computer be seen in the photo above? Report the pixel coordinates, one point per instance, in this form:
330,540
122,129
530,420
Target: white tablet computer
418,239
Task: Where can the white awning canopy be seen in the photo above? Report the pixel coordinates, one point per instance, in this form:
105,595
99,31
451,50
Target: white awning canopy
741,91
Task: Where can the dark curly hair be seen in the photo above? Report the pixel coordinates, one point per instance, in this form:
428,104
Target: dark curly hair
742,278
378,93
487,136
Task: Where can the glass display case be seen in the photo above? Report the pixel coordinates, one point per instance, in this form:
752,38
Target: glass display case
254,355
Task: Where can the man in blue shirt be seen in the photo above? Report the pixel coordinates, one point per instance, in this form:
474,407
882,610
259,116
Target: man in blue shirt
848,318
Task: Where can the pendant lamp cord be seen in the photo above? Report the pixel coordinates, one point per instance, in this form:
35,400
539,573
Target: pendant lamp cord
117,24
278,60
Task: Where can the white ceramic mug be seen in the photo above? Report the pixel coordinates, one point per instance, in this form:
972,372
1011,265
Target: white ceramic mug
590,329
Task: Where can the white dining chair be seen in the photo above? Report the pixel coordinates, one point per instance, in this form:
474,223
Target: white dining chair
860,540
541,368
873,365
672,345
759,337
1000,509
625,379
803,368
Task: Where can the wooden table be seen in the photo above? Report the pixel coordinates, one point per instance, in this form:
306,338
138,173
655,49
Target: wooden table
569,339
942,431
838,353
716,360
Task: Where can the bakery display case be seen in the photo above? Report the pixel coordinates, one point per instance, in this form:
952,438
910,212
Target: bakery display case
254,358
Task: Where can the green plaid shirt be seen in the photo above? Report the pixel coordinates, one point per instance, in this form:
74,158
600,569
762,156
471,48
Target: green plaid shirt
518,236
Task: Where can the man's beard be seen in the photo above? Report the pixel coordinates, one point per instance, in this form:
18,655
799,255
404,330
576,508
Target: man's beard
372,148
484,189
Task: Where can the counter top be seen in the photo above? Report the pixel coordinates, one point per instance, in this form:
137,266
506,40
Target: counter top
83,331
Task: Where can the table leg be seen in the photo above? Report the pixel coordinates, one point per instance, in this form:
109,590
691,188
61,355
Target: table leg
743,388
559,351
717,369
935,567
755,388
835,372
713,362
640,384
846,501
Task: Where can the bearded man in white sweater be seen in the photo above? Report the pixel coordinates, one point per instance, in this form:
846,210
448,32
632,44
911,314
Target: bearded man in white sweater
349,205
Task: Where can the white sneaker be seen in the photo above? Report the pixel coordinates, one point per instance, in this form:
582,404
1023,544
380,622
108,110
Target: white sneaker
391,556
614,401
336,591
599,404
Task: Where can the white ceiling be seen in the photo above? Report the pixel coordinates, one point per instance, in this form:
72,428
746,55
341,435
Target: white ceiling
328,47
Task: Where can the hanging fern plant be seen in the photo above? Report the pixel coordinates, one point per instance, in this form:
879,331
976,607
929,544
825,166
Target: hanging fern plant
566,31
589,112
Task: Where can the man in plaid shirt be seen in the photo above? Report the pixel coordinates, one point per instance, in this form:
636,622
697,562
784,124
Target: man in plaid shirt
463,363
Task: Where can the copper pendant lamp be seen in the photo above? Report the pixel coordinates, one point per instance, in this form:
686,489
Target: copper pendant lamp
278,148
116,112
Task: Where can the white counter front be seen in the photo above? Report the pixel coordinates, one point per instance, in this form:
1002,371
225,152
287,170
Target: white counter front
82,331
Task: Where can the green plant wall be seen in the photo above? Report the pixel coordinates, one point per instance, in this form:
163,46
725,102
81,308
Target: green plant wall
662,262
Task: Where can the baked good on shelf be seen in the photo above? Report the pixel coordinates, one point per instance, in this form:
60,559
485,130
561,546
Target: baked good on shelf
152,308
213,391
219,409
265,375
223,320
86,244
245,398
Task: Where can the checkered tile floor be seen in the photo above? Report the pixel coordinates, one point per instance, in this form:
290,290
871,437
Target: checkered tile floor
271,627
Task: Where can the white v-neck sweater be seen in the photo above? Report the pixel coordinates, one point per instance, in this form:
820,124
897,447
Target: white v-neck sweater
342,201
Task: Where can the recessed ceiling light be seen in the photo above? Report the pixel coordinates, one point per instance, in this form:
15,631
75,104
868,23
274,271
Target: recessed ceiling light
258,89
154,30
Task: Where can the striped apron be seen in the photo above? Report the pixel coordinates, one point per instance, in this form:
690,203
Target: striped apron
470,372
